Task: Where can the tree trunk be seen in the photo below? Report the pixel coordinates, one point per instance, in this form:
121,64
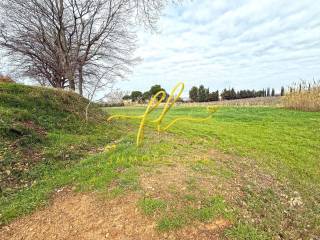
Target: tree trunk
72,83
71,80
80,80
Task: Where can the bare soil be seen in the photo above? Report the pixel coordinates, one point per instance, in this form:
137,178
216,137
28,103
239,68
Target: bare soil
79,216
83,216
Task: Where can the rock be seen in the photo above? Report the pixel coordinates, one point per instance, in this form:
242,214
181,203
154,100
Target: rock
295,202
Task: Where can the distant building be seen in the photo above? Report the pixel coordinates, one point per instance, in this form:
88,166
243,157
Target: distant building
127,102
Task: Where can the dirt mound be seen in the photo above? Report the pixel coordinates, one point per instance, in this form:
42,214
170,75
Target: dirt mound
27,116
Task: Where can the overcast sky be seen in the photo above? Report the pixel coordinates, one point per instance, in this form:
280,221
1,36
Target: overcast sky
238,43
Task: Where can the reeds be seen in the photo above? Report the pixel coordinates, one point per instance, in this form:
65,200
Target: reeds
303,96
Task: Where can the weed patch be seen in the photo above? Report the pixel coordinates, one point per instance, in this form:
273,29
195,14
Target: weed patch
150,206
246,232
212,208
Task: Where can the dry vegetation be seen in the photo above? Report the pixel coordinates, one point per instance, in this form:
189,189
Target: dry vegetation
246,102
303,96
6,79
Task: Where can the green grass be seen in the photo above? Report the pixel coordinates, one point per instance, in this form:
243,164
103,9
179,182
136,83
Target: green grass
282,143
174,222
246,232
43,135
46,144
210,209
150,206
93,173
43,128
280,139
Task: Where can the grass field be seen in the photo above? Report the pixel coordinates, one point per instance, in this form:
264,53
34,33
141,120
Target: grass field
251,173
279,145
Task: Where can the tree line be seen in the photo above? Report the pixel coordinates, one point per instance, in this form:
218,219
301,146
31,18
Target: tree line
231,94
138,96
202,94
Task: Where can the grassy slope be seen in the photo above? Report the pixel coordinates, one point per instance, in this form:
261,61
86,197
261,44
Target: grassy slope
42,131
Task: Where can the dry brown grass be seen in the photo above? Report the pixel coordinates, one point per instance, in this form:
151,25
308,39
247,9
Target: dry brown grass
246,102
6,79
303,96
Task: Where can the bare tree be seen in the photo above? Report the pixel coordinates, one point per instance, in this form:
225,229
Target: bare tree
96,85
72,43
106,48
115,96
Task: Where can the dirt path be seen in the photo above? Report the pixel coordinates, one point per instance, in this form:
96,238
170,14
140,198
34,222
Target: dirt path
79,216
85,216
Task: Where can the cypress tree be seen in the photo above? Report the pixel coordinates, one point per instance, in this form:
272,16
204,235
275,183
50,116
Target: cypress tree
202,94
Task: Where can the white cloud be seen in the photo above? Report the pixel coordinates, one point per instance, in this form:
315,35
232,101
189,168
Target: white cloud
243,44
